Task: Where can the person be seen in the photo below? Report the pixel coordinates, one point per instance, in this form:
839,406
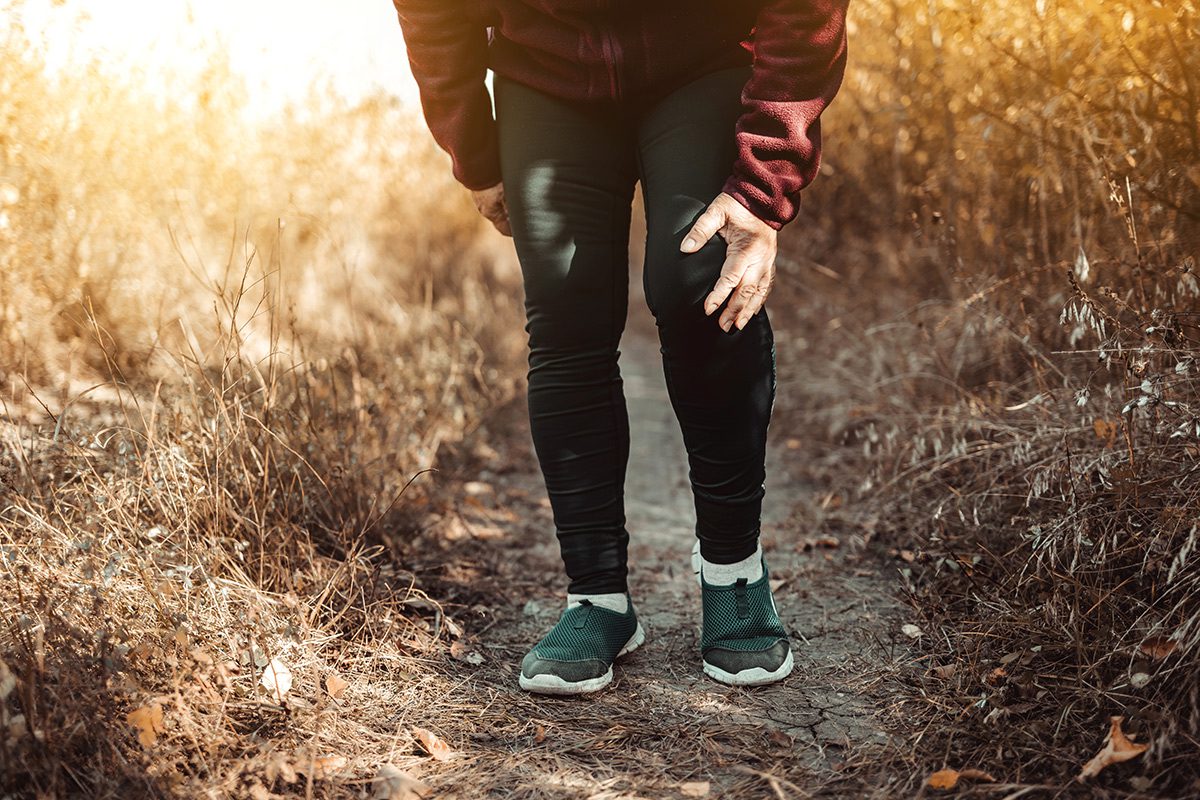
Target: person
714,106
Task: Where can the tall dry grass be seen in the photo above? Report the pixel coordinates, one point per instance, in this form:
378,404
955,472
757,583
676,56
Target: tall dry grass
230,350
1017,186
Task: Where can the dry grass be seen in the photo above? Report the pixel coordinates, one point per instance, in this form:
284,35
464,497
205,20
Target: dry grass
1019,387
229,350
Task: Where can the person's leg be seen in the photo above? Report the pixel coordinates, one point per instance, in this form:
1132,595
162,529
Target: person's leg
569,170
722,385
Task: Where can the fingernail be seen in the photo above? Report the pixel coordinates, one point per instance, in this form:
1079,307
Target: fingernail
689,244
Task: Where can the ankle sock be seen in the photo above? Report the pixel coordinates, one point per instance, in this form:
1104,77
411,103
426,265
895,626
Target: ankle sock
749,568
616,601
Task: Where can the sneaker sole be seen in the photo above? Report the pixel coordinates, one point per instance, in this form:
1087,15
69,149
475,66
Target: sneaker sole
553,684
756,676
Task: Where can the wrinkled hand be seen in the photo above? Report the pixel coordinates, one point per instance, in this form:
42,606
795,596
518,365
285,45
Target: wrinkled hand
749,270
490,203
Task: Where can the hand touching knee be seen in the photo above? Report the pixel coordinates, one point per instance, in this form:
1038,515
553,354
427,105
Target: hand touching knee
749,270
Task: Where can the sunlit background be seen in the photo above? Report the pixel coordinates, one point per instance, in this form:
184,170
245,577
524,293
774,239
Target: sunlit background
243,302
281,48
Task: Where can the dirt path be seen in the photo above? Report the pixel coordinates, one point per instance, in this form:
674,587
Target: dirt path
663,726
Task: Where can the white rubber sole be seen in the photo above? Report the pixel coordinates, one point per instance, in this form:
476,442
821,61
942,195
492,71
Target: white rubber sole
552,684
756,676
747,677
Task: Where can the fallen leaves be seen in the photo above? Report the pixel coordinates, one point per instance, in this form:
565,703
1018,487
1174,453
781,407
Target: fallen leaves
276,679
335,685
1158,647
322,767
912,631
821,542
8,681
695,789
393,783
1106,431
949,778
147,720
1117,748
460,651
432,744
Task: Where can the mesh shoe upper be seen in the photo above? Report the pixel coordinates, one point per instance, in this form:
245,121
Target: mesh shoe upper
586,636
740,616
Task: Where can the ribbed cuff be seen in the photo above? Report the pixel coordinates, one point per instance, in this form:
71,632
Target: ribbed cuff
776,212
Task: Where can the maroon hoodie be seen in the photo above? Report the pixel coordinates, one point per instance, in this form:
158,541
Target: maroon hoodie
636,50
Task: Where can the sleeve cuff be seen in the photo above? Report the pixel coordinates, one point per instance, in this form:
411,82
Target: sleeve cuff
483,173
776,212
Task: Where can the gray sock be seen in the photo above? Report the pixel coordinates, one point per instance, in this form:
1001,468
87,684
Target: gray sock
749,568
616,601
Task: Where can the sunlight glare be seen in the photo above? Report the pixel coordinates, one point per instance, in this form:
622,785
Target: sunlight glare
281,48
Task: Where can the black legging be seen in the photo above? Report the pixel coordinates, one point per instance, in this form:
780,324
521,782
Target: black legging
569,172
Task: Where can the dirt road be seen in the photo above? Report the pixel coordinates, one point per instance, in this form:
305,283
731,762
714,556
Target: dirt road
663,729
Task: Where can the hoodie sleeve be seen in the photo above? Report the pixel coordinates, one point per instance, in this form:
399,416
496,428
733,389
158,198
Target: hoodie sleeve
799,61
447,50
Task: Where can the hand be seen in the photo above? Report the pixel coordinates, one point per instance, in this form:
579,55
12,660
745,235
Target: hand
749,270
490,203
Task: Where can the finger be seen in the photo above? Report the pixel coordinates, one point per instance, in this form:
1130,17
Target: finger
761,290
731,276
733,273
711,221
741,297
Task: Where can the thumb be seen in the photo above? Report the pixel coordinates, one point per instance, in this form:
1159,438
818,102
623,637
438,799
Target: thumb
711,221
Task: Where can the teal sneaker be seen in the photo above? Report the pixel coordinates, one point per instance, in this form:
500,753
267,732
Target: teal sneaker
577,655
744,642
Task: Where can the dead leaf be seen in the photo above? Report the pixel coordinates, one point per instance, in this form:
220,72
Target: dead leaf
1156,647
335,685
780,738
452,627
1106,431
912,631
276,679
943,779
147,720
944,671
908,556
996,676
461,651
432,744
976,775
949,778
324,767
8,681
279,766
201,656
259,792
1117,748
393,783
695,789
539,734
831,542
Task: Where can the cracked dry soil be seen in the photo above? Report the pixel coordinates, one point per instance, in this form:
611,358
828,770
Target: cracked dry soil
663,729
